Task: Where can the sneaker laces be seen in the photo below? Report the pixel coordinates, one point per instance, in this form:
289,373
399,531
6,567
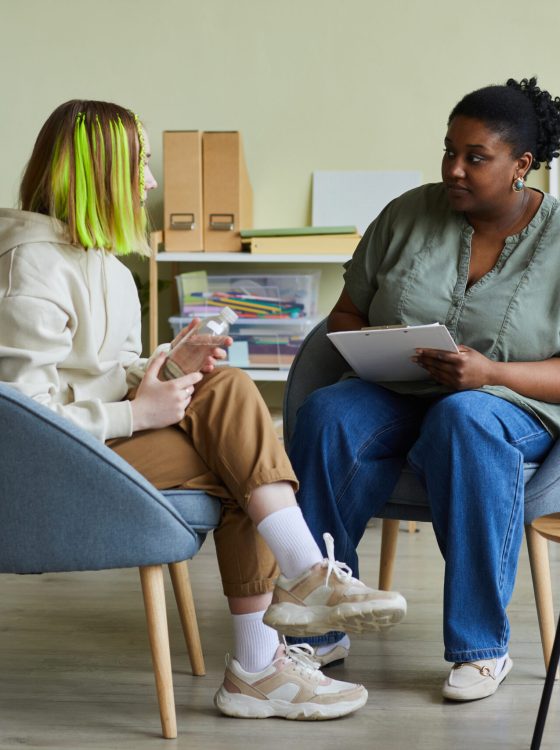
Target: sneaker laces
342,571
300,654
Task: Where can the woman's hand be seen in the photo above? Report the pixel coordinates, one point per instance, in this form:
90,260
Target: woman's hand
161,403
466,370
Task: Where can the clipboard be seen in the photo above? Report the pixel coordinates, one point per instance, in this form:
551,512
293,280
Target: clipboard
383,354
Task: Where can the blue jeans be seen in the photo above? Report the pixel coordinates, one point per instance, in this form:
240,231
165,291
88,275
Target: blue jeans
350,443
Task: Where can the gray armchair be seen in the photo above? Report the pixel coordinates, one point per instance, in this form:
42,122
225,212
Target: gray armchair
68,503
318,364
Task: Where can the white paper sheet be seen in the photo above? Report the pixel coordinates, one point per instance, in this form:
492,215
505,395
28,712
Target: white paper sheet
356,197
383,355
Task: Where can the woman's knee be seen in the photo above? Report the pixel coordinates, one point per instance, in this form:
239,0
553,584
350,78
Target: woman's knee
459,412
323,406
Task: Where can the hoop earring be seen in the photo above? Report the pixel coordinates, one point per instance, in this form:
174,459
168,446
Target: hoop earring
518,184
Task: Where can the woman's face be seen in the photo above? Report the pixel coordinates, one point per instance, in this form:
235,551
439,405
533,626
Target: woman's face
149,180
478,167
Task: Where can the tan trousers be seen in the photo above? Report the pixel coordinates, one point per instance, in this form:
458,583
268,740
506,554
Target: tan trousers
226,446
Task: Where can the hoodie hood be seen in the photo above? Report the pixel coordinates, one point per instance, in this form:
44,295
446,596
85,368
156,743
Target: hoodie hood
24,227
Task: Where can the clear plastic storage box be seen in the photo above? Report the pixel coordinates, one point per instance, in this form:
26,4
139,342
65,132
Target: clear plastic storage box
251,296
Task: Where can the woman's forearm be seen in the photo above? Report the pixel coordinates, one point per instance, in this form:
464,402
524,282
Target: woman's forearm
538,380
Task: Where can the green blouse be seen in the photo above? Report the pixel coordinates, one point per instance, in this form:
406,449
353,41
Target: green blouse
411,267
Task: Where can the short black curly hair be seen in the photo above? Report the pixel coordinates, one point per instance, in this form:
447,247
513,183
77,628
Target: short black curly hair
524,115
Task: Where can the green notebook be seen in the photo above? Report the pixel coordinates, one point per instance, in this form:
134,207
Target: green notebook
295,231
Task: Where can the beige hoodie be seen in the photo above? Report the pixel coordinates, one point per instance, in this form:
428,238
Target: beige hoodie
69,324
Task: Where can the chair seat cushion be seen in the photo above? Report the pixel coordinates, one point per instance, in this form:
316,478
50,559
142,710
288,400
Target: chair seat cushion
201,511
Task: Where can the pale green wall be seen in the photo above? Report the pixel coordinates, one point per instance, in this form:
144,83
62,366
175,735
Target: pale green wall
311,84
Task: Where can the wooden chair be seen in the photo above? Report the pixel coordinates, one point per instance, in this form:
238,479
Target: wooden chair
547,527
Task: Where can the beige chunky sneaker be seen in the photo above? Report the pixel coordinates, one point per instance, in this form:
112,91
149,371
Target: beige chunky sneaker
290,688
328,598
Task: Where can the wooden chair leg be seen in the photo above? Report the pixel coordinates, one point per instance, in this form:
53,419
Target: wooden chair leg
153,590
389,535
179,573
542,585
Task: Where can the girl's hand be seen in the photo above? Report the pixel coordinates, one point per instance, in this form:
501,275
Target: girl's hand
463,371
161,403
217,354
183,332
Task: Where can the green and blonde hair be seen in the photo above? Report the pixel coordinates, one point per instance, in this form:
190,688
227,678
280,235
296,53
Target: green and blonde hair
87,170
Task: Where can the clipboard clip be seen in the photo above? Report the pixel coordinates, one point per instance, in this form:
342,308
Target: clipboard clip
383,328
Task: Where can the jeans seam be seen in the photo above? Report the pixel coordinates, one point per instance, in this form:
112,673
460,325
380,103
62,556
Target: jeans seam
364,446
507,545
528,438
509,533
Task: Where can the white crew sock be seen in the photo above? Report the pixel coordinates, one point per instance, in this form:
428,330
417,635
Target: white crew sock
290,541
328,647
255,643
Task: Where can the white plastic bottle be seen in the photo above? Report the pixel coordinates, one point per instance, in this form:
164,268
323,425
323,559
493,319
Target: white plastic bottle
190,353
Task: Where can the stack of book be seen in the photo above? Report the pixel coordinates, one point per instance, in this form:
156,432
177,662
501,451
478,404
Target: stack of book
301,241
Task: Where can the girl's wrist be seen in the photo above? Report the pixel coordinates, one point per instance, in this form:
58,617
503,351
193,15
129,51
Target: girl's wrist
136,417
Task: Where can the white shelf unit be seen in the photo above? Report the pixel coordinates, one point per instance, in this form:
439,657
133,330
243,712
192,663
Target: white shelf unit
235,258
263,375
268,376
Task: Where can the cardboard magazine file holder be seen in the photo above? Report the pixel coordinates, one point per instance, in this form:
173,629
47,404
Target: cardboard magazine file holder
182,191
227,193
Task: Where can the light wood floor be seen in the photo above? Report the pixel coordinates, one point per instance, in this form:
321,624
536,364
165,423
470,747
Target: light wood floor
75,669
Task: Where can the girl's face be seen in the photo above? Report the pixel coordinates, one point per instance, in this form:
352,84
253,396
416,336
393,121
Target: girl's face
149,180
